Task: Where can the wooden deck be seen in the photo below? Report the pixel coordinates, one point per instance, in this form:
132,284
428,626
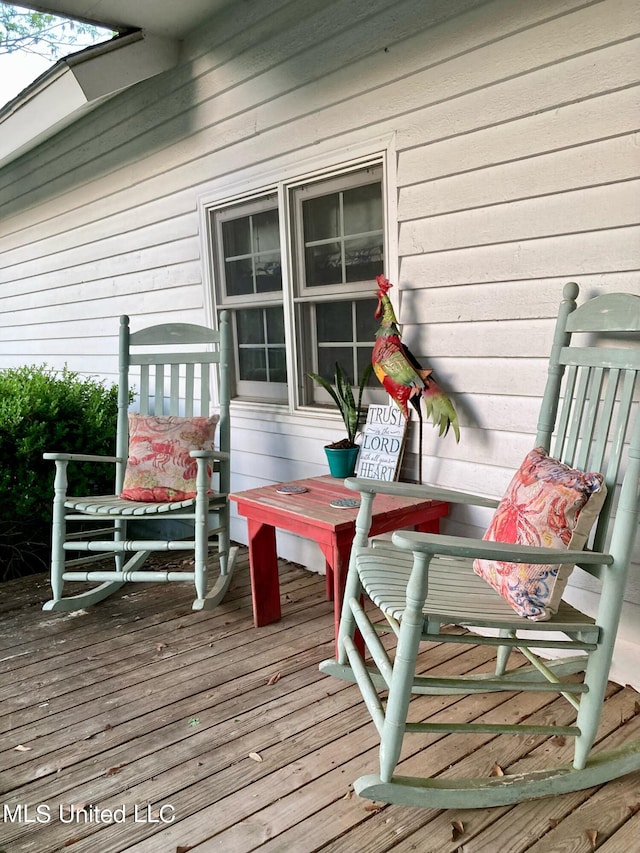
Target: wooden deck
202,733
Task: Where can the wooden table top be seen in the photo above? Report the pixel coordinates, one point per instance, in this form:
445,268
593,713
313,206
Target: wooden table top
315,504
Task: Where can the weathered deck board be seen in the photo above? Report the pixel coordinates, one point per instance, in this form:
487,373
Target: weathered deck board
141,702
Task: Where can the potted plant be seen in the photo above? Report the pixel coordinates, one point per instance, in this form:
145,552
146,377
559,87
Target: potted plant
342,455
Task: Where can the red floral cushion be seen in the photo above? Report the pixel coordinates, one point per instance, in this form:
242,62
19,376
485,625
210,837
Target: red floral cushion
159,467
546,504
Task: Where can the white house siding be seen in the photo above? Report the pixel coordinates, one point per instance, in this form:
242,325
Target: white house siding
515,128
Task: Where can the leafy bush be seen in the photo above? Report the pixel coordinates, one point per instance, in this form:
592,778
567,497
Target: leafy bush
47,410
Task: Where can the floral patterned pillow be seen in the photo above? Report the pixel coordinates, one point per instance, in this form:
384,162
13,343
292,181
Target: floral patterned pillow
159,467
546,504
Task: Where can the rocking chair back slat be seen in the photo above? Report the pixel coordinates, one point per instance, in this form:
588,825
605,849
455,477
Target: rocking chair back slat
577,422
205,388
189,387
144,395
606,418
159,388
174,389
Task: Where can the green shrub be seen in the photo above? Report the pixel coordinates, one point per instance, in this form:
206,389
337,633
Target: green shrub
47,410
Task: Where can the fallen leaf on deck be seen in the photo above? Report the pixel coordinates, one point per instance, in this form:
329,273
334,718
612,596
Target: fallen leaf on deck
635,808
75,807
496,770
21,748
592,834
373,807
274,678
457,829
113,771
348,795
160,646
194,721
255,757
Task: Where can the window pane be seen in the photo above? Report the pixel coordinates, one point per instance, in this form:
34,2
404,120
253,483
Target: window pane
252,365
321,217
366,323
268,273
250,326
333,321
251,253
363,258
260,359
343,236
236,236
323,264
363,209
327,358
364,358
275,325
277,364
239,277
266,231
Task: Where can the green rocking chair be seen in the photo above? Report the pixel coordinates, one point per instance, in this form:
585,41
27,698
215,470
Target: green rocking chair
423,582
163,472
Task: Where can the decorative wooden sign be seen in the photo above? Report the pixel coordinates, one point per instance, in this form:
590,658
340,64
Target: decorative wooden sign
382,443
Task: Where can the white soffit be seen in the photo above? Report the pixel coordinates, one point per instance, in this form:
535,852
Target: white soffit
77,84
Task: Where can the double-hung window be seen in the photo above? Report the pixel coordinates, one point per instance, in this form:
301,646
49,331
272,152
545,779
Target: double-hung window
296,268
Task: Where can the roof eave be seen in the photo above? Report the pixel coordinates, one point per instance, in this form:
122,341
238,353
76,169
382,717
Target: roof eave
77,84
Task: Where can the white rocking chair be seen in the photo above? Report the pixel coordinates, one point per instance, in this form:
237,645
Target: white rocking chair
424,581
170,366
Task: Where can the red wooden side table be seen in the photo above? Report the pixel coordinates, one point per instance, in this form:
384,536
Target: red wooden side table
311,515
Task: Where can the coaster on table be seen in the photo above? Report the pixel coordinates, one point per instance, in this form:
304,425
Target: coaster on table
345,503
291,490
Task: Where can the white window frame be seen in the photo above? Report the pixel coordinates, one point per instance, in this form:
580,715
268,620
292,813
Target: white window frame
254,184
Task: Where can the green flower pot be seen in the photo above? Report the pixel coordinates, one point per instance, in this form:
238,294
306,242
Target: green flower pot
342,461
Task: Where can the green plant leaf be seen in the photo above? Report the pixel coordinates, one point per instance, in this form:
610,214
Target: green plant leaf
342,395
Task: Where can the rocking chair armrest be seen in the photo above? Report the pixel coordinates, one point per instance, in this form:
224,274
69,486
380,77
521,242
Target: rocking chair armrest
414,490
79,457
210,454
462,546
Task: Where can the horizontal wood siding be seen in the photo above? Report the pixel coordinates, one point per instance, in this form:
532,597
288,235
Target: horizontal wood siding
518,168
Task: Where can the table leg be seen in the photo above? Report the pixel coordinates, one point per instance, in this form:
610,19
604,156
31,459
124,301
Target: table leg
263,566
337,559
329,580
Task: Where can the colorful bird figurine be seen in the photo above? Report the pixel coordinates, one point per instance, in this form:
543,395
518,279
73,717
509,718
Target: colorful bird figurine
402,376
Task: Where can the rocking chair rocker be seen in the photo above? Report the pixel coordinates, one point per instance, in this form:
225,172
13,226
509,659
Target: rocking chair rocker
422,582
171,366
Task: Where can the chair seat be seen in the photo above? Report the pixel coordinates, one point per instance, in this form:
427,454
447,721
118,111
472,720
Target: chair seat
457,595
113,505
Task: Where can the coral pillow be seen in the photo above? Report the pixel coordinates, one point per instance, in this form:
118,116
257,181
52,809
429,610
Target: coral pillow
546,504
159,467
